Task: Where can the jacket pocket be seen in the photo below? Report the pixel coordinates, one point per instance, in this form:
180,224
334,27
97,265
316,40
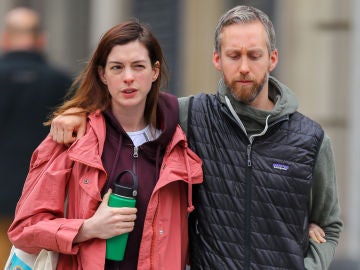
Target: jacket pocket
88,197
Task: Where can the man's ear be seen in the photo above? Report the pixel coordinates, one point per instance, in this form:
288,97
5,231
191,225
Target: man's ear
274,57
216,60
41,41
4,42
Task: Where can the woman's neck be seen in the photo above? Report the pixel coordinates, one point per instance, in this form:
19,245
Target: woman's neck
130,120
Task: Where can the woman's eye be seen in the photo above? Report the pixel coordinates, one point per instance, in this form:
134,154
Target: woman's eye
139,66
115,67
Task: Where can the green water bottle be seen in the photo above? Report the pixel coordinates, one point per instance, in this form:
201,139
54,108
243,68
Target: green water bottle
121,196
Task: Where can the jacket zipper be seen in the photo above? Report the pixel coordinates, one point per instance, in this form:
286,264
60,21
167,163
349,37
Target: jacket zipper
248,192
135,156
248,183
248,152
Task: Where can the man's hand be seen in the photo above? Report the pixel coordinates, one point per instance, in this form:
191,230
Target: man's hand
68,127
316,233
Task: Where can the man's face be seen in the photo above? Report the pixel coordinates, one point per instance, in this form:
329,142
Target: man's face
245,62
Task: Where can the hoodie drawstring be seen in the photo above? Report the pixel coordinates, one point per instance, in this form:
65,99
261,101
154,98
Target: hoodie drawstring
190,207
157,164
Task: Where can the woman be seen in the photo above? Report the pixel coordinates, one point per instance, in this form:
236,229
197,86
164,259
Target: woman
130,126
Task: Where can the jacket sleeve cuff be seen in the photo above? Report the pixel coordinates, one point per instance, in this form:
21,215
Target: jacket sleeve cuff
66,234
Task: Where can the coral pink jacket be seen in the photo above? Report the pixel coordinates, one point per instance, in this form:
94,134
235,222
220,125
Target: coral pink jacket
78,171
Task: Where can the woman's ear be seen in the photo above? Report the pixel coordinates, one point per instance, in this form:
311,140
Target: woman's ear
101,73
156,71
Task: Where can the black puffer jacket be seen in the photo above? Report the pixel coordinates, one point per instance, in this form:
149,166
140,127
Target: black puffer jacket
251,212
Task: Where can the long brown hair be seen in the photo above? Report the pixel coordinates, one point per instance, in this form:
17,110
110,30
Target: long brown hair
89,92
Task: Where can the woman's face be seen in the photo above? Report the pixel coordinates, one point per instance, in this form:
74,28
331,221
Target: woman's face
129,75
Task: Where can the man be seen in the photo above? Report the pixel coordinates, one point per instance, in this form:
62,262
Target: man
30,88
268,169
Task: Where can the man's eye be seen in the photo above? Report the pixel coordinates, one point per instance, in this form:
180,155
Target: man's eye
234,56
255,56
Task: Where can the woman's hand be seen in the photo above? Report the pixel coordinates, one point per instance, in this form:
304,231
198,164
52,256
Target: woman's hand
107,222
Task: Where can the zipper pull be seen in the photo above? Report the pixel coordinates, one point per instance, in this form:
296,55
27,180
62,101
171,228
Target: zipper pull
248,151
197,226
136,152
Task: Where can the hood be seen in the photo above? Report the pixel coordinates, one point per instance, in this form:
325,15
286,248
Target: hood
153,151
173,136
168,117
254,119
186,165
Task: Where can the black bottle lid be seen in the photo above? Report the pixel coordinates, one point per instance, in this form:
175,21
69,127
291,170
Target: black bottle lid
125,191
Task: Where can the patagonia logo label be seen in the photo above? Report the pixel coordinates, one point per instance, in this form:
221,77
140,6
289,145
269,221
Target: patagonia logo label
279,166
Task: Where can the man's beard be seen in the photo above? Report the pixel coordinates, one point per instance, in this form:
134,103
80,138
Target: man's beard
247,94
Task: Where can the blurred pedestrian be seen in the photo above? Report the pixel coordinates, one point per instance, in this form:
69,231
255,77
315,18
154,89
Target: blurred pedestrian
30,88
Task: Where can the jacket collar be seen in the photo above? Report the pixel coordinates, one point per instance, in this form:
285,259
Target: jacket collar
285,102
88,149
24,56
255,120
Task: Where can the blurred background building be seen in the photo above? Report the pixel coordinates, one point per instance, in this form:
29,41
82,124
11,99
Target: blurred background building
319,48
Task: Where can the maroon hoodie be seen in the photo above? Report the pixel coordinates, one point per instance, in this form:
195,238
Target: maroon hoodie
119,154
